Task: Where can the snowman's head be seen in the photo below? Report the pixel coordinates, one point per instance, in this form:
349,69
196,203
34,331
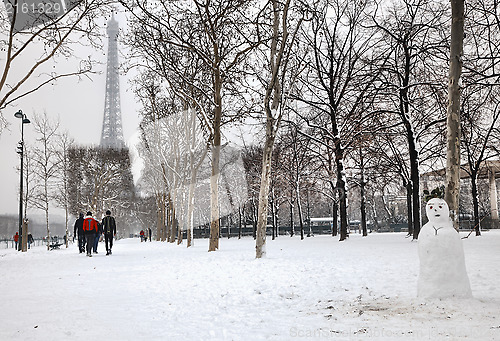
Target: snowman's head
437,211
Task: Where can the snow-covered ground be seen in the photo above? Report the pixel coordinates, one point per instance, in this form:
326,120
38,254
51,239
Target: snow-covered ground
317,288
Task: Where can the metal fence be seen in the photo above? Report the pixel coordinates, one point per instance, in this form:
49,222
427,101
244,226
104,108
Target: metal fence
10,244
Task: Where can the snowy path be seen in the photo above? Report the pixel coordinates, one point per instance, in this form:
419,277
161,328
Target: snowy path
312,289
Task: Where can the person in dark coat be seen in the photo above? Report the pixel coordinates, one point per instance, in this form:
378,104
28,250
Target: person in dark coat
79,232
30,240
109,229
150,233
90,229
97,236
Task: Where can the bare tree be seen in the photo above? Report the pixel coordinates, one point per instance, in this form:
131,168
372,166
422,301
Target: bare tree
221,44
480,112
452,192
61,195
284,31
414,33
479,98
341,79
45,156
31,40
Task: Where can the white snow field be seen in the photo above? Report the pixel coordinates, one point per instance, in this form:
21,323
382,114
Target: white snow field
318,288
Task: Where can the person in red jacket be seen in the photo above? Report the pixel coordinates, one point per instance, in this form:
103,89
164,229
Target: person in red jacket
16,238
90,228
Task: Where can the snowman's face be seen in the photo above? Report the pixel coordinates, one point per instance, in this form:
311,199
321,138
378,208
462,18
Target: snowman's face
437,210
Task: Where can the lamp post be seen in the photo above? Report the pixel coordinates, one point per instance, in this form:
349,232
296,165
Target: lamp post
20,151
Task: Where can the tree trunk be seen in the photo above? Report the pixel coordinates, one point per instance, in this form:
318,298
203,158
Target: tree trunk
66,220
452,191
190,213
240,223
48,227
173,217
264,191
159,213
340,186
475,203
299,208
276,223
363,209
180,230
343,207
272,102
254,220
164,218
415,179
414,171
292,227
273,216
335,210
409,206
170,219
310,233
214,179
363,197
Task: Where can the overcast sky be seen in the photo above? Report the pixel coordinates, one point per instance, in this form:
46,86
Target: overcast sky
79,106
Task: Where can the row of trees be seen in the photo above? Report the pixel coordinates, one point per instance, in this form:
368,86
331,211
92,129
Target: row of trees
364,79
362,85
60,174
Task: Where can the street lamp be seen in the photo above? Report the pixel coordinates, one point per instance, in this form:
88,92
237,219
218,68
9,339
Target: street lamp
20,151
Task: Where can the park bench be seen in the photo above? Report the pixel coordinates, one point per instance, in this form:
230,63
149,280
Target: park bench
54,243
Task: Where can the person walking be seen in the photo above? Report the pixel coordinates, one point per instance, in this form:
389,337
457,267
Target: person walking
90,229
30,240
109,229
150,233
142,235
78,231
16,238
97,236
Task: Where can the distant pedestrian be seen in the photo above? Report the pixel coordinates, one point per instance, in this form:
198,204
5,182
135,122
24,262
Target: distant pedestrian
150,233
109,228
90,229
142,235
16,238
79,232
30,240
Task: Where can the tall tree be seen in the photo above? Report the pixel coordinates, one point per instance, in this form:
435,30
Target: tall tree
480,112
452,192
284,30
479,97
413,31
45,156
341,79
63,144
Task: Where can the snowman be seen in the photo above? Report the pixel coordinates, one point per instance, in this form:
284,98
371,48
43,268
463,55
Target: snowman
441,254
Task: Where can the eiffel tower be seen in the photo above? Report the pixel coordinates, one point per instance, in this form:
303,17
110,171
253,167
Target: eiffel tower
112,132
